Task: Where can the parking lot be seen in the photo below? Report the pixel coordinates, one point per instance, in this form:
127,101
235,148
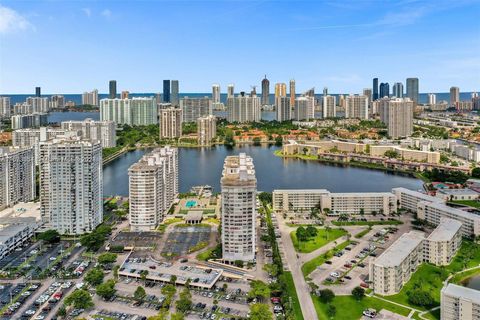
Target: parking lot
136,239
17,257
15,297
181,239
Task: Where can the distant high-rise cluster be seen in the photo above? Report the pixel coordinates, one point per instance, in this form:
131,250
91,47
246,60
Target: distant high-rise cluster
153,186
33,120
243,108
101,131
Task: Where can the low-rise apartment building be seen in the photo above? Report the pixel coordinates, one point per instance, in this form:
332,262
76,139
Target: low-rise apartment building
409,199
459,303
443,243
457,194
406,154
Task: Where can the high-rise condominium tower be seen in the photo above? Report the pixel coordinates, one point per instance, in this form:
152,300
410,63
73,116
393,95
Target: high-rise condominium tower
102,131
194,108
398,90
283,109
292,92
412,89
206,130
356,107
166,91
112,89
153,186
90,98
170,123
17,175
239,191
71,186
304,108
174,98
280,90
5,110
432,99
243,108
375,89
216,93
141,111
397,114
265,91
329,106
230,91
454,96
368,92
124,94
38,92
384,90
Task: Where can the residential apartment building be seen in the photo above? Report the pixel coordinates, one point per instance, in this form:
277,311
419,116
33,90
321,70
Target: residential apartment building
170,123
71,185
140,111
397,115
283,109
406,154
153,187
194,108
206,130
304,108
409,199
443,243
239,208
394,267
17,176
34,120
356,107
459,303
103,131
243,108
38,104
5,108
280,90
329,107
90,98
216,93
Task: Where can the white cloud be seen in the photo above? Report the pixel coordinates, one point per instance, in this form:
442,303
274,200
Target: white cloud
87,11
11,21
107,13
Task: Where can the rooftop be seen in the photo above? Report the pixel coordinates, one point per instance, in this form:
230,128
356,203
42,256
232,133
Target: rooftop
22,210
238,171
462,292
465,192
400,249
446,230
458,212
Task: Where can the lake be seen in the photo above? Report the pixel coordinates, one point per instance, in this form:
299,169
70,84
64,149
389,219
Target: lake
200,166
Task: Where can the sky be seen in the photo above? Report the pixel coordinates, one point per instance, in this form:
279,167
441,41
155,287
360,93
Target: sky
75,46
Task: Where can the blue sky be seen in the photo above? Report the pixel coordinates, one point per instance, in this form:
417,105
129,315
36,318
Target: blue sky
73,46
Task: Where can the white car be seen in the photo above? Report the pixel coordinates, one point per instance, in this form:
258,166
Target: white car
30,312
334,274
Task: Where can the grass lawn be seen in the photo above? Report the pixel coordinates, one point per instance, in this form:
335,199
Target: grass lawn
205,255
348,308
319,241
362,233
367,223
430,277
471,203
311,265
293,294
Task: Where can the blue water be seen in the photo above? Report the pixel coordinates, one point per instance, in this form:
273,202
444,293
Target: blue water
57,117
77,98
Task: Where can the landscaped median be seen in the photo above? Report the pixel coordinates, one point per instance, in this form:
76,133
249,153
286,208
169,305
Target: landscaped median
367,223
313,243
311,265
295,303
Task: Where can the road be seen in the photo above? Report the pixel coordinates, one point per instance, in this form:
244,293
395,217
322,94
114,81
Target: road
301,286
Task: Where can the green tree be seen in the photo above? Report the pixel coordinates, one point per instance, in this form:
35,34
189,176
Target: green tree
139,293
50,236
238,263
331,310
301,234
257,141
79,299
278,141
173,279
107,258
260,311
115,272
94,277
476,172
358,293
143,276
392,154
184,303
259,290
106,290
311,231
265,197
420,298
326,295
177,316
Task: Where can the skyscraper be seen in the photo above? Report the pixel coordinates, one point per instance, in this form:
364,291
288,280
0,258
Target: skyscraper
138,111
71,186
166,90
112,87
304,108
356,107
5,110
38,92
375,89
283,109
125,94
102,131
280,90
194,108
368,92
454,96
153,186
90,98
170,123
398,90
397,114
216,93
412,90
243,108
384,90
175,92
329,107
239,192
432,99
206,130
230,91
265,91
292,92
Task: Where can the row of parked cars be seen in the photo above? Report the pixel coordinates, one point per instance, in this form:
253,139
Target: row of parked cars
23,291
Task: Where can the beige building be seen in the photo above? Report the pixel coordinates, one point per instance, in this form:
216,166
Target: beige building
329,107
406,154
170,123
459,303
304,108
280,90
394,267
206,130
244,108
409,199
356,107
397,114
102,131
443,243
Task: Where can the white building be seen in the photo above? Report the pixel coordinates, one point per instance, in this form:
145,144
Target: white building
397,115
5,109
443,243
243,108
457,194
71,185
432,99
230,91
102,131
206,130
216,93
170,123
90,98
153,187
329,107
459,303
409,199
239,195
283,109
356,107
17,176
139,111
38,104
304,108
194,108
34,120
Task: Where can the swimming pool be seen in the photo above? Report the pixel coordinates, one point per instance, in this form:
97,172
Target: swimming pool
191,204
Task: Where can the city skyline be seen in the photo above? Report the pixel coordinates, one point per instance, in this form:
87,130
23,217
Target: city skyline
92,56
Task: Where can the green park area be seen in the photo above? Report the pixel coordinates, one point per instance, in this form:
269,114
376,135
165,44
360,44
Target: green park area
367,223
470,203
309,239
311,265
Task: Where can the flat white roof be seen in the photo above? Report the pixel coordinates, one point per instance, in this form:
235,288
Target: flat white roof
460,213
417,194
400,249
465,192
446,230
462,292
362,194
301,190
